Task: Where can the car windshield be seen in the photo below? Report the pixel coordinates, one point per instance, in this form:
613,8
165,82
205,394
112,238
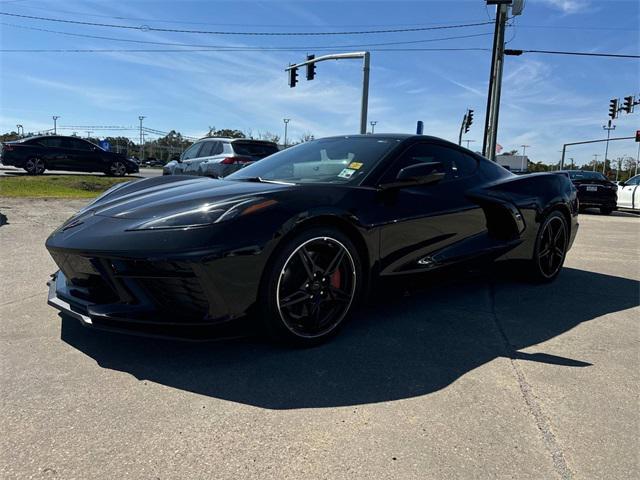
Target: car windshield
328,160
585,175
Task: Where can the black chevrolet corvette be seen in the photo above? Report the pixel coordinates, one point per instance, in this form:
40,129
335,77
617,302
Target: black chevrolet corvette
298,237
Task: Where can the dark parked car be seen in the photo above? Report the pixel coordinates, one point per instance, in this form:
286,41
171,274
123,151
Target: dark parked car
299,237
594,190
56,152
219,157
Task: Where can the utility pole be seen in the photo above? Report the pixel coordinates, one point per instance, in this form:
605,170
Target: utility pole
292,70
468,142
286,123
495,81
141,117
608,128
373,124
55,127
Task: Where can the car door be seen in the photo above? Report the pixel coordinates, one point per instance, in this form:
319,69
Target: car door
80,155
422,220
53,153
628,195
188,157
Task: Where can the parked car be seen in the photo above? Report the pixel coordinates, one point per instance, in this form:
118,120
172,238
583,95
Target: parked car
629,194
594,190
300,236
57,152
219,157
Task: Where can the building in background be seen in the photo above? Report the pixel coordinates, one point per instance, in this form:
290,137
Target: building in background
515,163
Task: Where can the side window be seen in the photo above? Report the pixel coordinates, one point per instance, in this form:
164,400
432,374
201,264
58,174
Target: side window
192,151
75,144
453,164
210,148
49,142
633,181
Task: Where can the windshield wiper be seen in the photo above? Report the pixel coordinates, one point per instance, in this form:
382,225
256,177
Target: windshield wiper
262,180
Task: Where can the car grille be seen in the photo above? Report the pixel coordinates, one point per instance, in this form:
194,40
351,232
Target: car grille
169,288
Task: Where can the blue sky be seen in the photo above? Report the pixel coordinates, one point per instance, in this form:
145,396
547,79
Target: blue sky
547,100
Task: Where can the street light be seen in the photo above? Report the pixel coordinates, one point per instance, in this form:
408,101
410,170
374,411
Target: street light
20,127
141,117
468,142
55,120
373,126
286,123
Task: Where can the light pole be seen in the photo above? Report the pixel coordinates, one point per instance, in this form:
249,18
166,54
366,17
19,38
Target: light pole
89,132
595,161
286,125
572,166
468,142
608,128
373,124
20,127
524,149
141,117
55,127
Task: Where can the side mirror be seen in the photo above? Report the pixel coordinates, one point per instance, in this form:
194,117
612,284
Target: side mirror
418,174
621,184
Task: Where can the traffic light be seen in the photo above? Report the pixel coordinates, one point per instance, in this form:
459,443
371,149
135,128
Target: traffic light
628,104
637,135
311,68
613,108
468,120
293,76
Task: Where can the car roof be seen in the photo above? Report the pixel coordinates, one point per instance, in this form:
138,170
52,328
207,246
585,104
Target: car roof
231,140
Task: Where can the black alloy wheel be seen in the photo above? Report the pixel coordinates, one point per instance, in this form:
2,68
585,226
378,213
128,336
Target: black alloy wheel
551,247
34,166
117,169
312,286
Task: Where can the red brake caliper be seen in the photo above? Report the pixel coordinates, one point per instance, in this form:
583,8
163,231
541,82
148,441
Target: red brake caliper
335,279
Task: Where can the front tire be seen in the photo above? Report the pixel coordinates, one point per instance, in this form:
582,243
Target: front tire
550,248
117,169
311,285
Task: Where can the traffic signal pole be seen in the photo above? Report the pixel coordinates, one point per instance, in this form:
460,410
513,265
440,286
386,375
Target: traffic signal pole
495,84
366,61
564,147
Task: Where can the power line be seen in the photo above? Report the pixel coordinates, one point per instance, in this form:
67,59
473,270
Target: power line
308,47
255,49
514,52
146,28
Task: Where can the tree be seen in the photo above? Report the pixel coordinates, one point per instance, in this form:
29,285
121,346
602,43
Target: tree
225,133
269,136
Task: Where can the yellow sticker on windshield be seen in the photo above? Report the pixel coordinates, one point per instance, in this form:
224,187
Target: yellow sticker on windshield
355,165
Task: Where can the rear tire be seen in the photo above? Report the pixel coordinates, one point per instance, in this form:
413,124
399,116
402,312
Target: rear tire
550,249
35,166
606,210
310,286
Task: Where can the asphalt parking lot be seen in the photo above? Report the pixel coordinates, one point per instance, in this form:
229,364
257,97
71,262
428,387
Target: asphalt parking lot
479,378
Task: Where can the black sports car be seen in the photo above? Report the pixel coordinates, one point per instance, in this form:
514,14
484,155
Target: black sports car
594,190
299,236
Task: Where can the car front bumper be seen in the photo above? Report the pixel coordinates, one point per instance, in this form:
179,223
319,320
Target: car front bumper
136,321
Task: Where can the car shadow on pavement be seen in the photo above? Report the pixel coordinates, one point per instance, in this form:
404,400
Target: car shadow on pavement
413,343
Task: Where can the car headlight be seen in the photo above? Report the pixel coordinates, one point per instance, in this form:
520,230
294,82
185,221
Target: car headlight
206,214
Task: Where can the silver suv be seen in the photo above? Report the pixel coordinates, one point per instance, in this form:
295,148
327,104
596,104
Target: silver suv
219,157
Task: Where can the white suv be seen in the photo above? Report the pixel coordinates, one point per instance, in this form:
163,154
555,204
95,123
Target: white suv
219,157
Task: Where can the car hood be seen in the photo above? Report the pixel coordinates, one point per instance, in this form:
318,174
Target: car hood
153,197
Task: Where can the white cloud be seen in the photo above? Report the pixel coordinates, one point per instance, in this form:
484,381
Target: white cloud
569,6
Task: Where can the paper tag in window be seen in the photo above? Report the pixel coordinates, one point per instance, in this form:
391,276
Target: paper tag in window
346,173
355,165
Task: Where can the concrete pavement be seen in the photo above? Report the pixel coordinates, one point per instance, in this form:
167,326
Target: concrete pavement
478,378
